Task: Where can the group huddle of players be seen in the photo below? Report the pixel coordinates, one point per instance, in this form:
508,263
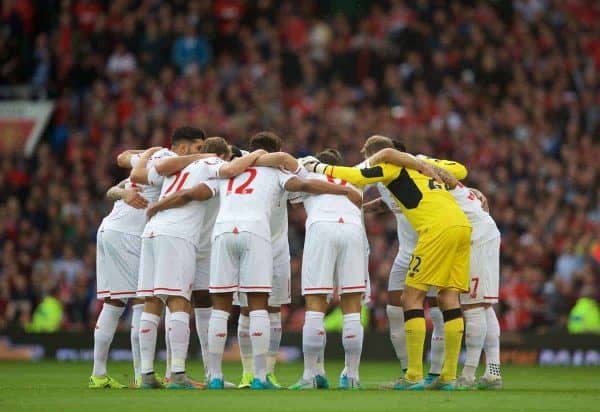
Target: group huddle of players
203,226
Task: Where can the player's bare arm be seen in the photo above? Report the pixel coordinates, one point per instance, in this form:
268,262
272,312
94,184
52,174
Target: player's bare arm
375,206
279,159
139,174
404,159
448,178
239,164
130,196
319,187
172,165
124,158
458,170
484,202
181,198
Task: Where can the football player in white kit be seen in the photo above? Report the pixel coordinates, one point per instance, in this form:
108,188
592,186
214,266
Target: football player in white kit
242,254
118,255
280,292
164,279
332,260
482,329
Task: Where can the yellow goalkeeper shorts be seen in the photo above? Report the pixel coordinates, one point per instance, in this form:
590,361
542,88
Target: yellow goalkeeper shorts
441,259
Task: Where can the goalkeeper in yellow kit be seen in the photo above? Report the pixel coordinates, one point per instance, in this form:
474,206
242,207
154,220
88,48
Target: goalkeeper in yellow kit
440,258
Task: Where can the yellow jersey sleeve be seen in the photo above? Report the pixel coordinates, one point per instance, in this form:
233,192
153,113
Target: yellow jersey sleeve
457,169
384,172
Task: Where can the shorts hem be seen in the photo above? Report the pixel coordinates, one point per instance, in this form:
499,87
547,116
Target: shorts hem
255,289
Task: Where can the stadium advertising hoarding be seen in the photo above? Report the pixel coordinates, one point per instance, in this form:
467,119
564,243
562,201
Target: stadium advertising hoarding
543,350
22,123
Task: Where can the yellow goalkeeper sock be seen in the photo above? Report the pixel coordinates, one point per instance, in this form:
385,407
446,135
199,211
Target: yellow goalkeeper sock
414,325
454,327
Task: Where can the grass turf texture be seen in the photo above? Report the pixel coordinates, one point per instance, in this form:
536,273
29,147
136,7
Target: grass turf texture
52,386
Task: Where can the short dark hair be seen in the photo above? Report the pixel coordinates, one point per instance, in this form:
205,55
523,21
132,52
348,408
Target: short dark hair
187,134
330,156
376,143
399,145
235,152
216,145
268,141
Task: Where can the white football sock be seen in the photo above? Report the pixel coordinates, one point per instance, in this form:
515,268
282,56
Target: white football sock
148,330
245,343
179,335
437,341
168,343
136,313
107,323
352,340
217,336
321,360
397,335
259,335
274,340
475,330
491,344
313,344
202,318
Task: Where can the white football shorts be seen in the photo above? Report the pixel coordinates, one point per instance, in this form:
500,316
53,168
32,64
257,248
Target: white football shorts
241,262
333,256
167,267
117,264
484,273
202,273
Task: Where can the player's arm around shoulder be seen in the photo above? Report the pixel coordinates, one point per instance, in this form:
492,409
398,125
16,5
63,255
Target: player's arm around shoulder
139,172
124,159
131,195
173,164
458,170
319,187
281,160
200,192
239,164
406,160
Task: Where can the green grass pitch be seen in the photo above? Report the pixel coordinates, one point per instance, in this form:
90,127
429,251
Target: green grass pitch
52,386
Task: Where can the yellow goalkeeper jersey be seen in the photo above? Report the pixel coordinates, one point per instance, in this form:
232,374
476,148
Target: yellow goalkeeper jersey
427,205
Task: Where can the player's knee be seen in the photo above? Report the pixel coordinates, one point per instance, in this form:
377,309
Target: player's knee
412,299
316,303
115,302
178,304
351,302
448,299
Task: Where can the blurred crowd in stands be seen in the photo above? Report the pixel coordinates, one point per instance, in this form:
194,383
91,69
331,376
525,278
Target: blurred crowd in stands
509,88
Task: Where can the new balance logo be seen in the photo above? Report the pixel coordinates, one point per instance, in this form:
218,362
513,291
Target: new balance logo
220,335
144,330
257,334
350,337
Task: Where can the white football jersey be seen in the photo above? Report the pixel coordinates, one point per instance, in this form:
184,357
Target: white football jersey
194,220
329,208
155,180
248,200
279,219
484,226
126,219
